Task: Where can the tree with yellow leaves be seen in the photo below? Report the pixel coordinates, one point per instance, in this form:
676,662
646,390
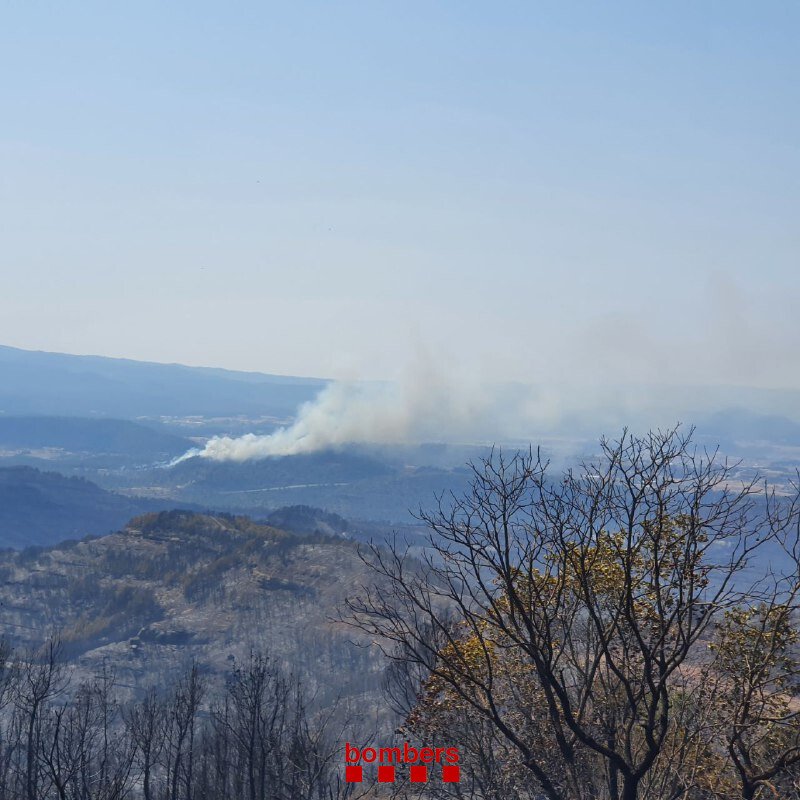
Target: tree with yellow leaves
568,615
757,665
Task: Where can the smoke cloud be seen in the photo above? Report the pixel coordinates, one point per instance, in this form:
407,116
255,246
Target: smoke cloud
627,377
424,406
419,407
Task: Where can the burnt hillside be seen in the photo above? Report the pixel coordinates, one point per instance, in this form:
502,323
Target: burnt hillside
177,586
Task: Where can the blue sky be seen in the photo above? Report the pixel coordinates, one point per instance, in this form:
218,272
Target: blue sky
526,190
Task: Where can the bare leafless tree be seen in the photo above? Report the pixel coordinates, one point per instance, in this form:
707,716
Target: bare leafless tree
582,601
40,679
180,728
144,722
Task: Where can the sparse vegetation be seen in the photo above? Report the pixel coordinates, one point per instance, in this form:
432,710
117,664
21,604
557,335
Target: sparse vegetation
253,737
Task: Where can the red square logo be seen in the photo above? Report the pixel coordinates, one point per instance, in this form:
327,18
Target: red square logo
385,774
418,774
450,773
353,774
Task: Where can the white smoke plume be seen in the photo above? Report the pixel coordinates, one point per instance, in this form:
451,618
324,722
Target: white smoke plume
431,403
417,408
422,406
423,409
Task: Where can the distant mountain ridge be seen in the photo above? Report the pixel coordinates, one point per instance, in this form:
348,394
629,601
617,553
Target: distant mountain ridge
38,382
43,508
90,435
739,424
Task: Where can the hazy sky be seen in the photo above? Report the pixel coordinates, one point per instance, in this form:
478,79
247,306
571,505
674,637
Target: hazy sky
528,190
